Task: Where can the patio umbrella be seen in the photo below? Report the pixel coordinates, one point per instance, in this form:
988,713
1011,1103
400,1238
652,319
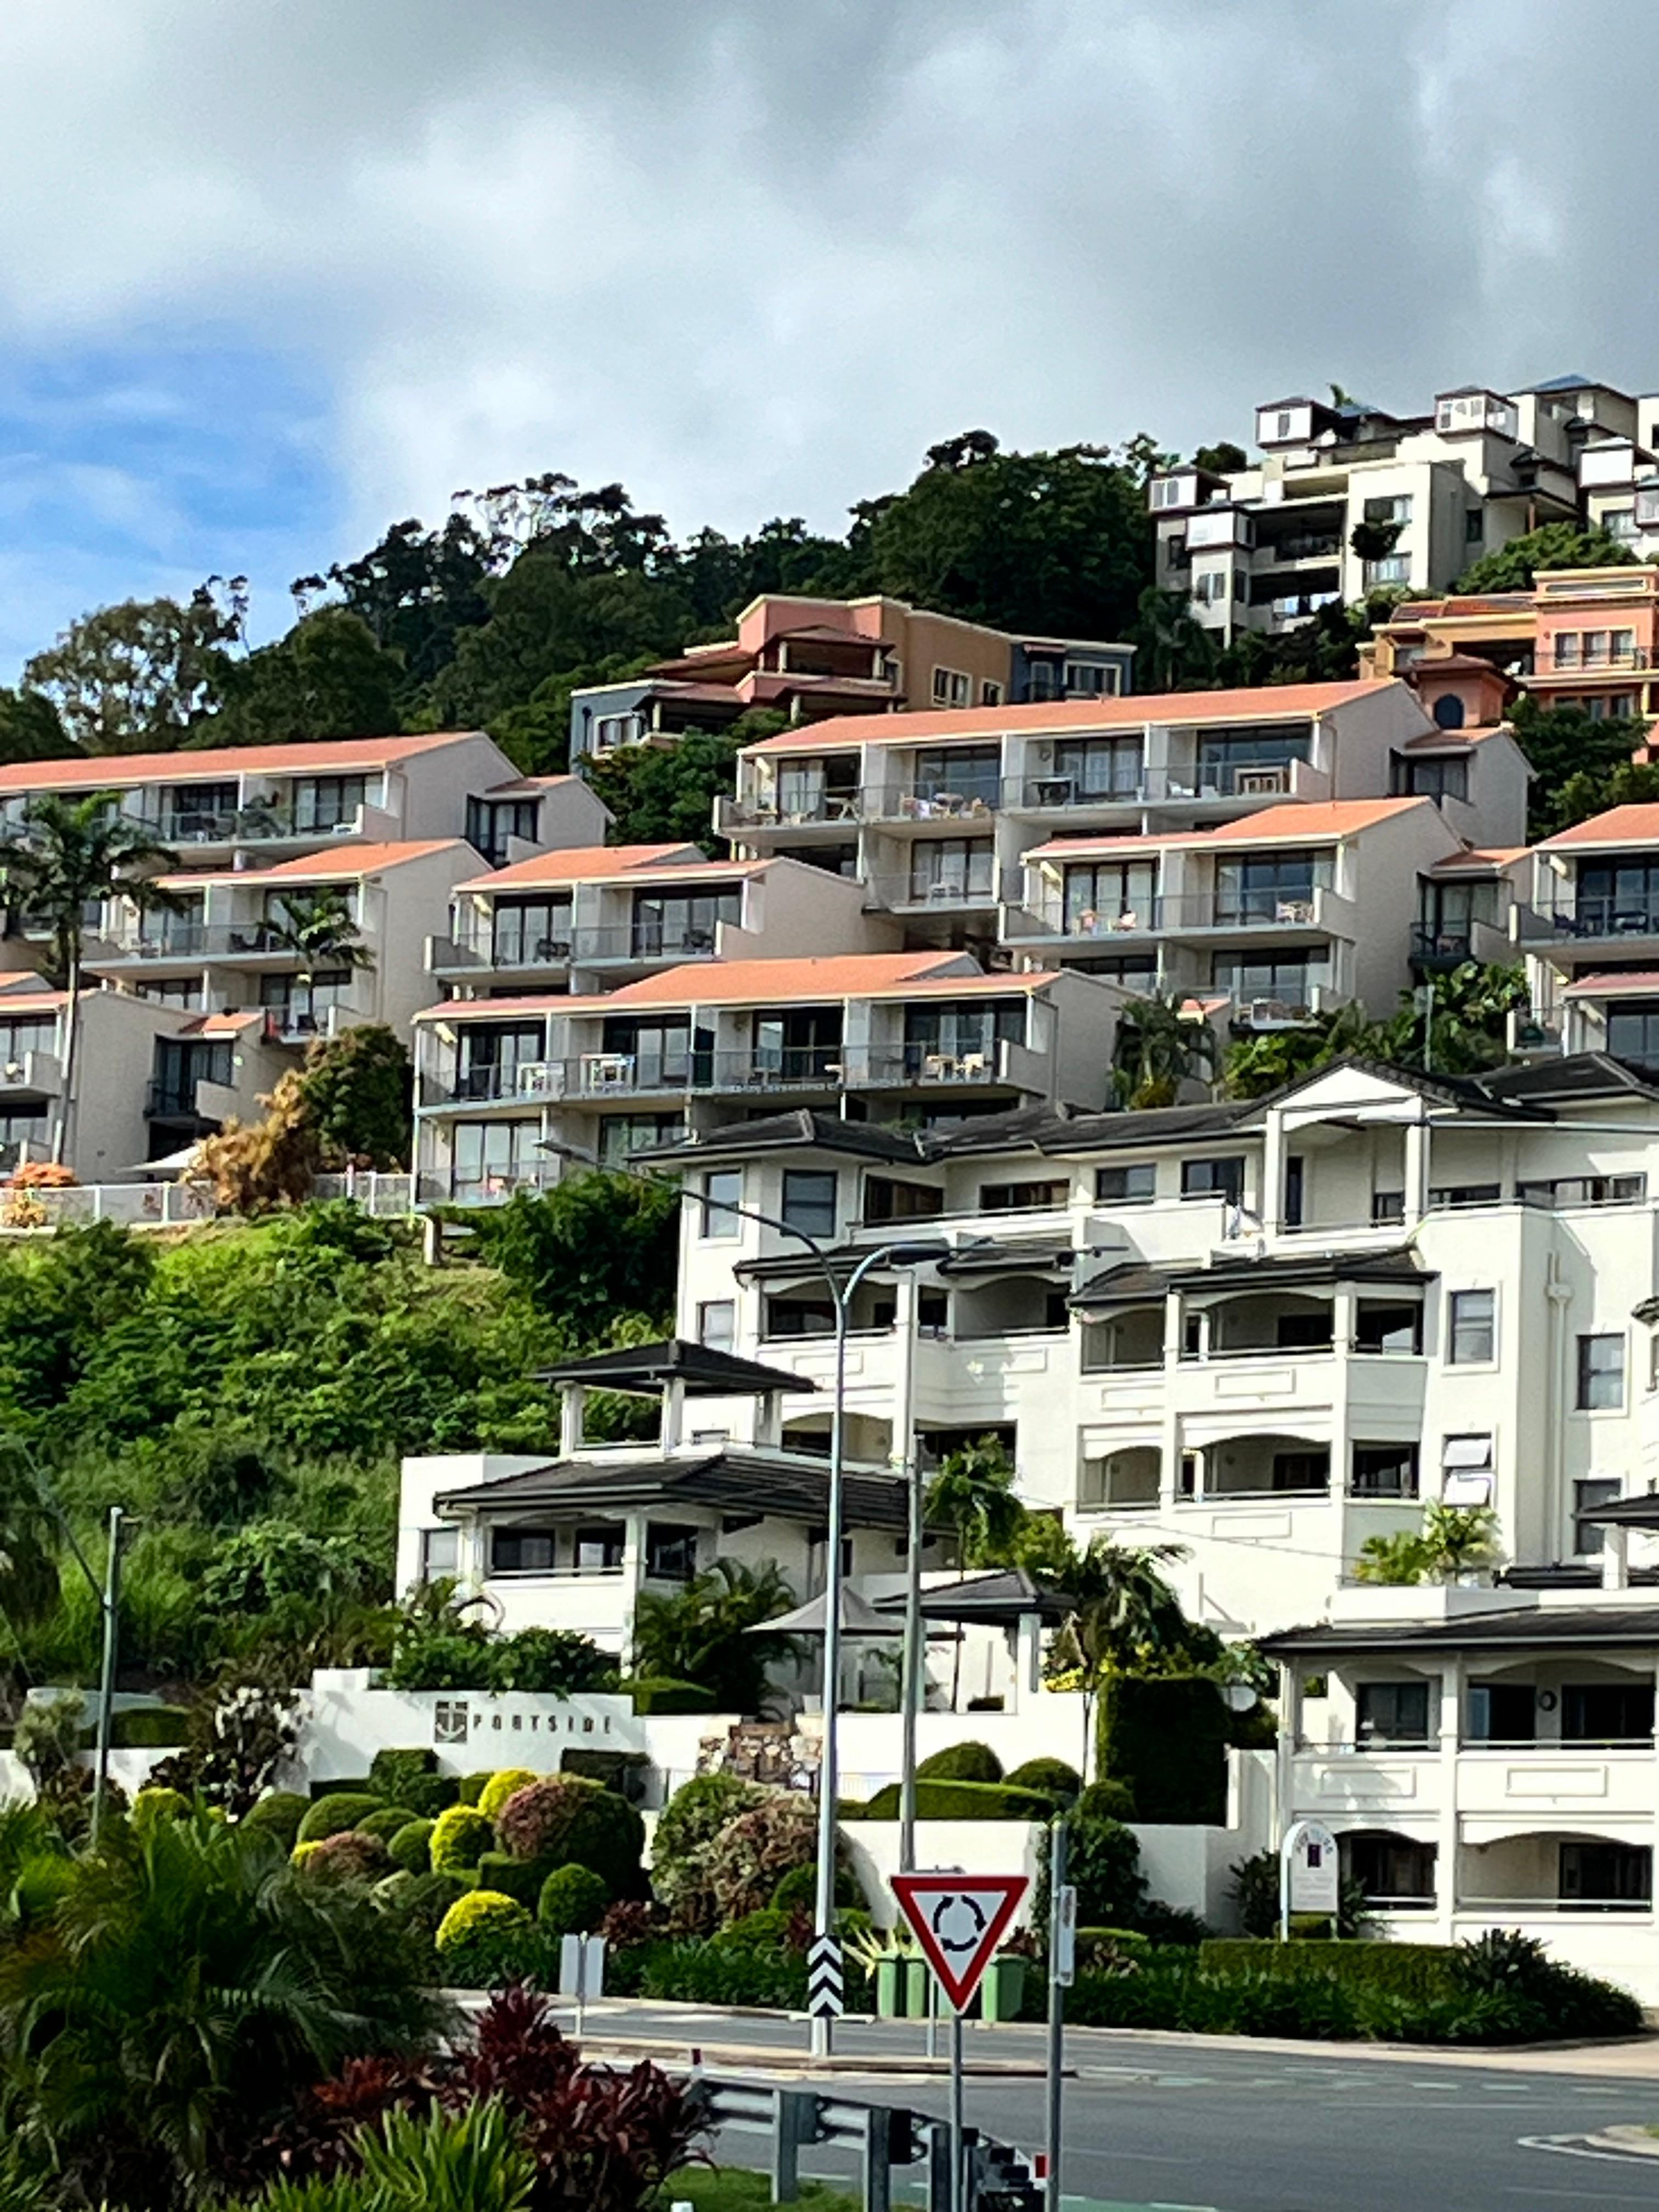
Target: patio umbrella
858,1618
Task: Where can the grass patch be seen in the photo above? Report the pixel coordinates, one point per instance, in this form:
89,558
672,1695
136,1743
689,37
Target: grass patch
735,2189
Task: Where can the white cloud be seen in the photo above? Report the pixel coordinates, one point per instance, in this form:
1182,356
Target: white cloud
752,258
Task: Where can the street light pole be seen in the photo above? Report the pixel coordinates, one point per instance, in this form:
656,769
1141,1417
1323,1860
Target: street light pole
111,1605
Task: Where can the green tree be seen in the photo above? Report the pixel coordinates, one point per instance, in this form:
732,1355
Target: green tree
1157,1048
318,928
357,1089
1453,1541
1565,746
706,1633
415,592
1587,793
536,735
973,1494
1173,651
1553,546
135,678
67,855
1050,543
1254,1065
666,794
30,729
594,1245
1465,1029
1222,459
327,678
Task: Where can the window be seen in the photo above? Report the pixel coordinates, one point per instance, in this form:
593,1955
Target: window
1633,1031
520,1551
1503,1712
671,1551
1584,1190
953,868
1605,1876
809,1201
1475,526
492,824
1391,1869
1434,779
1607,1712
527,932
1388,1205
1589,1537
440,1554
1126,1185
180,1065
1090,679
1394,568
1453,1194
1391,1713
1021,1197
492,1159
790,1313
1383,1471
1275,887
1471,1328
1567,643
1600,1373
990,695
621,1135
951,687
613,730
717,1323
1223,1178
1391,507
491,1055
1381,1327
677,922
598,1550
1210,584
1281,426
887,1199
1096,767
329,802
1466,1470
1103,897
969,774
1619,522
722,1189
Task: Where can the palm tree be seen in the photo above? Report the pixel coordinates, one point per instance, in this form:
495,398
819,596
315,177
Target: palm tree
1158,1048
318,928
703,1633
67,855
974,1494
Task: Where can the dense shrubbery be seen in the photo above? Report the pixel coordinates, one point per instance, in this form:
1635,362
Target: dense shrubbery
962,1800
753,1852
961,1762
562,1820
683,1848
1053,1776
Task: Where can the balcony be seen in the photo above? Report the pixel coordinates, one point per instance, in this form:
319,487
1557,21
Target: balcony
1592,918
951,894
254,825
842,809
1000,1064
1079,796
1437,950
193,942
34,1075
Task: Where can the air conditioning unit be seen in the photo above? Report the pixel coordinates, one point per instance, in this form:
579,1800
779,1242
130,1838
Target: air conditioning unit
15,1070
541,1078
1255,782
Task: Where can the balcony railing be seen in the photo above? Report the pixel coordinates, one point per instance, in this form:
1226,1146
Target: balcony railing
1594,917
801,1067
949,893
1599,664
561,948
192,941
251,825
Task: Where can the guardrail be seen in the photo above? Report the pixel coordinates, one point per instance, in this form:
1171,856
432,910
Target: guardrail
996,2178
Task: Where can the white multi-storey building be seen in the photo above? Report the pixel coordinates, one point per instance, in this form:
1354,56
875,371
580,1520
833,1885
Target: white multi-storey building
1346,498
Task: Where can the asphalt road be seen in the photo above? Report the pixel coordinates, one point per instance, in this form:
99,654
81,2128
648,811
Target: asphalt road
1230,2127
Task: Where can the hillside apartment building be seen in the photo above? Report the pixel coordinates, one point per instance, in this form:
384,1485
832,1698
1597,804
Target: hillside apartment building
1262,548
813,658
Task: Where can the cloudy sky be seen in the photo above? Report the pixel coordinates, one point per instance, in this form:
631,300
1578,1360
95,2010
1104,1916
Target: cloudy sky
273,274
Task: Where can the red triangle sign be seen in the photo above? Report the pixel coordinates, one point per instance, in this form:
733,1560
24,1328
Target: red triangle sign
959,1919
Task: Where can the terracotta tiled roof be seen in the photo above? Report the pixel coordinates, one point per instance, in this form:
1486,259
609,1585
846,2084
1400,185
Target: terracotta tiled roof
351,861
1270,703
604,863
39,1002
112,771
1332,818
1490,856
489,1010
1612,986
845,975
1620,825
1084,848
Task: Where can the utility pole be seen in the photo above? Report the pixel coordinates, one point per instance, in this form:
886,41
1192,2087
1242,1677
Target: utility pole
111,1601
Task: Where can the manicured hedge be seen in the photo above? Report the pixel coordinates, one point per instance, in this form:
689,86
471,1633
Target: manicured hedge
390,1772
961,1801
149,1728
520,1879
961,1762
385,1821
1409,1970
412,1847
280,1814
339,1809
1060,1782
1166,1736
662,1694
573,1900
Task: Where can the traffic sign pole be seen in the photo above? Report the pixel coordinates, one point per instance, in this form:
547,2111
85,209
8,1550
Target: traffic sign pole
1062,1936
958,2175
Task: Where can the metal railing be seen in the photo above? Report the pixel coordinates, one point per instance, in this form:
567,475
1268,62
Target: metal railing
133,1205
948,894
1593,916
250,825
797,1067
177,939
561,948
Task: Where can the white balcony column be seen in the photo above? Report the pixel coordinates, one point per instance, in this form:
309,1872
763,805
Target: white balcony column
1175,1326
673,1414
1615,1558
1417,1168
572,1406
1451,1737
1028,1658
633,1576
1344,1309
768,1421
1272,1174
1290,1735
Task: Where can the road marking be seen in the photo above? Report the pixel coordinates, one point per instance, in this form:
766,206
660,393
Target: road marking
1575,2147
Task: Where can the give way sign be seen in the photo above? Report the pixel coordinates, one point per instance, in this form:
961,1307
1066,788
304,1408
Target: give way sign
959,1919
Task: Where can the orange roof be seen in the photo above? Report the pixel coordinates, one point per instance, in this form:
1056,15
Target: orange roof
1261,703
845,975
37,1002
1473,733
111,771
1612,986
1476,856
327,868
1301,821
601,864
228,1023
1620,825
1084,848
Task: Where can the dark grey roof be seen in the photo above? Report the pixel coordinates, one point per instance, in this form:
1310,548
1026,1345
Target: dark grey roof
705,1373
1570,1575
980,1255
803,1127
1627,1512
1132,1282
1044,1130
1582,1075
990,1597
1565,384
732,1480
1514,1629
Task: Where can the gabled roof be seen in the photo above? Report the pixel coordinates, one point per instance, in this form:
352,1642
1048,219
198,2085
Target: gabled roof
787,982
1302,822
597,863
702,1371
348,860
1044,1129
996,1599
112,771
1272,704
1133,1283
1514,1629
778,1485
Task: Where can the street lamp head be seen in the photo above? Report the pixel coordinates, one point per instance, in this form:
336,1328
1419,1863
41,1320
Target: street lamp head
921,1253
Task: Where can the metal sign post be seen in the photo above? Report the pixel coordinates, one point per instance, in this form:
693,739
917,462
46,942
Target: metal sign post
1062,1958
1309,1878
959,1919
581,1971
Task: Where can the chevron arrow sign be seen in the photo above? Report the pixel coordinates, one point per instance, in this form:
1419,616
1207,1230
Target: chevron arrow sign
823,1983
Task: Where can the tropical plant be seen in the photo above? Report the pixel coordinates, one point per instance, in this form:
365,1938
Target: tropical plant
182,1992
1553,545
706,1633
565,1819
1453,1541
683,1847
753,1853
241,1732
319,929
1157,1048
973,1494
65,856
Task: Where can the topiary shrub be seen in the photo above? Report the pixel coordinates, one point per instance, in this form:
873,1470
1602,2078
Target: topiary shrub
1102,1863
563,1820
460,1837
961,1762
151,1807
302,1853
505,1783
663,1694
485,1939
517,1878
356,1784
418,1902
683,1847
332,1814
280,1814
1106,1800
1060,1782
472,1787
412,1847
574,1901
1166,1736
392,1772
964,1800
753,1853
385,1822
797,1891
347,1856
768,1931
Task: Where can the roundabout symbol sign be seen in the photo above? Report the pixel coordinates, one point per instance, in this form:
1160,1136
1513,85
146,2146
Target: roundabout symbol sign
959,1919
